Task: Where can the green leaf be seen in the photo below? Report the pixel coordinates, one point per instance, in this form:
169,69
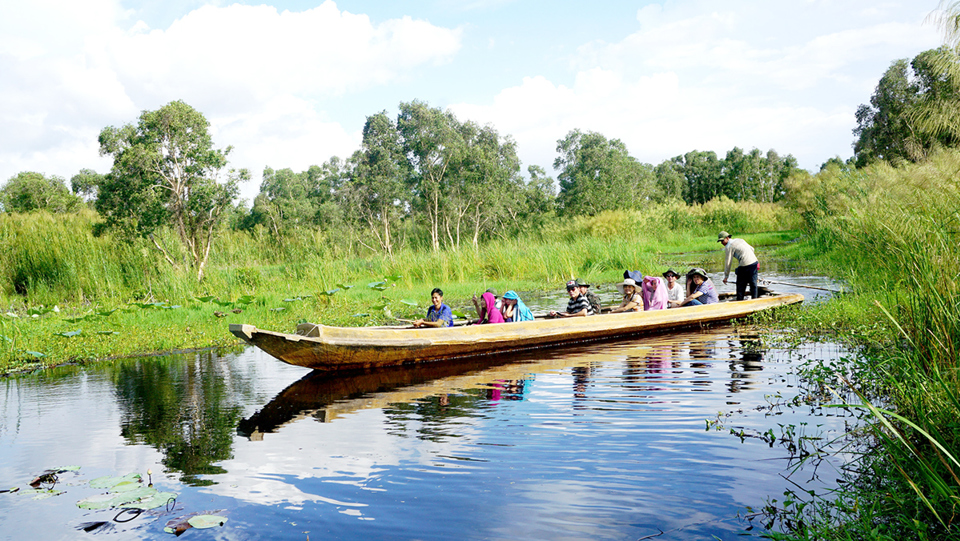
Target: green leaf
360,315
341,286
378,307
377,285
393,277
69,334
329,292
223,304
278,309
409,302
152,502
76,319
107,332
206,521
105,313
35,354
246,299
207,298
108,481
459,314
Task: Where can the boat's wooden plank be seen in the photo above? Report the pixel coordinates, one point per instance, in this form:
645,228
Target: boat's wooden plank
337,348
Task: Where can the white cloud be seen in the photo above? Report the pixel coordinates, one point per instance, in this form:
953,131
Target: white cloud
708,76
262,77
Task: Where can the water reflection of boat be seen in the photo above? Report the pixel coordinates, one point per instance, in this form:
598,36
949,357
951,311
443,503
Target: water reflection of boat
351,348
324,397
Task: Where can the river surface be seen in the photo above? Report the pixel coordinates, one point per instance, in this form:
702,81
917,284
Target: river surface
615,440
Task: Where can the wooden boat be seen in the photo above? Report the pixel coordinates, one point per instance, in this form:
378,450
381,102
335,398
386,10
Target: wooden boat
362,348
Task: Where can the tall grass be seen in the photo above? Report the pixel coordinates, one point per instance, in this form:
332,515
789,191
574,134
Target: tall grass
47,259
896,234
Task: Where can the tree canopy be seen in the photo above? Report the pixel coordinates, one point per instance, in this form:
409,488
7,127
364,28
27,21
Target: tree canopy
29,191
166,172
914,109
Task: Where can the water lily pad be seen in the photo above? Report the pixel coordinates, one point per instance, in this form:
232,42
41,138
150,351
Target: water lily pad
35,354
69,334
246,299
123,499
105,313
409,302
206,521
393,277
329,292
44,494
107,332
341,286
278,309
360,315
159,499
377,285
112,481
208,298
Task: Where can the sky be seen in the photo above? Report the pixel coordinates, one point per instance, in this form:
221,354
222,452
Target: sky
289,84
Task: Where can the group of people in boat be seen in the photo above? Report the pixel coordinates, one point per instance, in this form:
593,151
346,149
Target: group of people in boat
652,293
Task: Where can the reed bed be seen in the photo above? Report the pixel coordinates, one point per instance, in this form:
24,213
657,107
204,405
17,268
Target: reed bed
895,232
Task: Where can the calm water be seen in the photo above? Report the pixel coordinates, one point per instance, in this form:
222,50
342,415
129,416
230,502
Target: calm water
602,441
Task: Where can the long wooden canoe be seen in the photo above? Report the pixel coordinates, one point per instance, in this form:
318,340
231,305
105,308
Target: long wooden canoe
363,348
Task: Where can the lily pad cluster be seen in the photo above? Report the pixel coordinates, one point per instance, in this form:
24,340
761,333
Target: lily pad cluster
127,492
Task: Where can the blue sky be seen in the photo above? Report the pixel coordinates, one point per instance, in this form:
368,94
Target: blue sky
289,84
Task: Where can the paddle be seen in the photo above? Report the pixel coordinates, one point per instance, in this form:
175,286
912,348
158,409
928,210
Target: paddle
762,281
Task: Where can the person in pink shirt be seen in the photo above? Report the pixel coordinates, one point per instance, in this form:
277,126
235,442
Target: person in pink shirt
654,293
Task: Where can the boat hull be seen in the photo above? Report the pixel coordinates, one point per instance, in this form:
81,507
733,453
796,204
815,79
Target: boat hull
362,348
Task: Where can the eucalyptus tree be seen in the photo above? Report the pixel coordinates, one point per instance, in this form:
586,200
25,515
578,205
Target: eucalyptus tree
84,184
483,178
914,109
377,192
703,173
167,173
432,144
597,174
29,191
284,203
669,181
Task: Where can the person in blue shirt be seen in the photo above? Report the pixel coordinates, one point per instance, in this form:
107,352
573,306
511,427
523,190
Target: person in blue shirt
438,315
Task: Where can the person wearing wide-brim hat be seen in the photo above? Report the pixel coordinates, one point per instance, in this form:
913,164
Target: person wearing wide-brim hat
675,291
747,264
703,290
631,299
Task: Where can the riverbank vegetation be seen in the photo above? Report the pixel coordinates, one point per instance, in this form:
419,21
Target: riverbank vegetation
894,235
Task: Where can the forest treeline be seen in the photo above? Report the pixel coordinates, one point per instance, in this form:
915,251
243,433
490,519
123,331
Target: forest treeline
422,179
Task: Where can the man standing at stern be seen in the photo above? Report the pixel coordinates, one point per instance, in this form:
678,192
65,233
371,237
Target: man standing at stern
748,264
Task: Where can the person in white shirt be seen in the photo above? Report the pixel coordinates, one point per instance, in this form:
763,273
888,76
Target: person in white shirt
748,267
675,291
